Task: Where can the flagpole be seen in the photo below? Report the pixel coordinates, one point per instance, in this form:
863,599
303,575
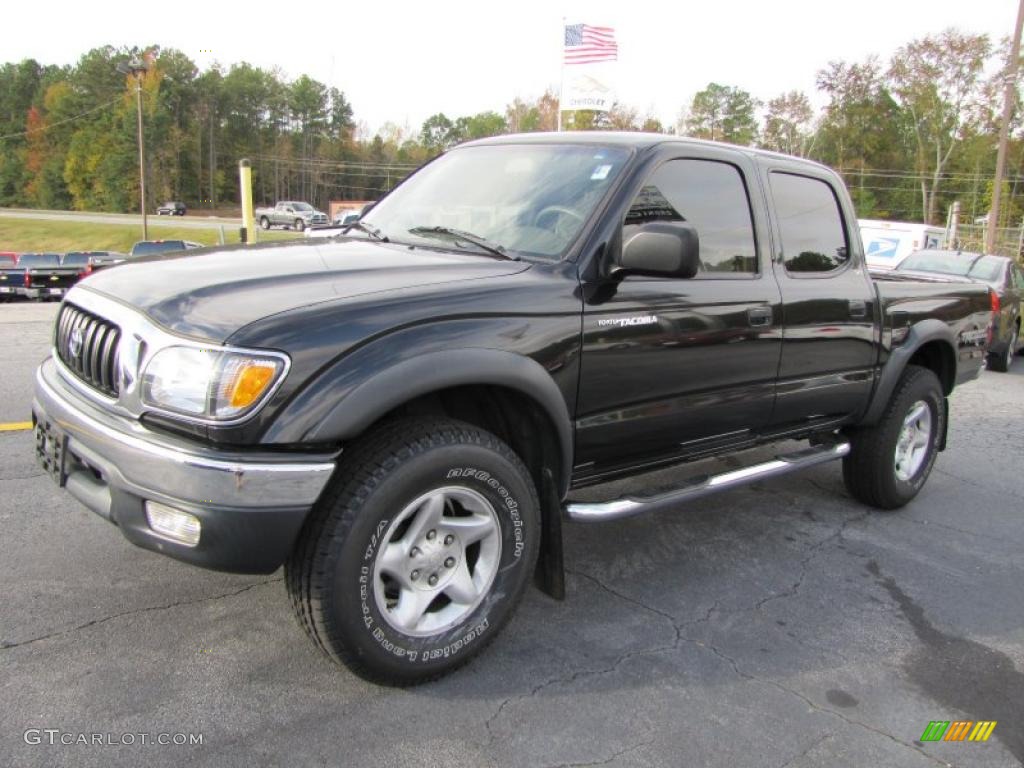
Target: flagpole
561,79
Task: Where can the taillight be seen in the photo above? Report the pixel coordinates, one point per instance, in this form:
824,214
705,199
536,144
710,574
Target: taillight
994,301
85,272
28,279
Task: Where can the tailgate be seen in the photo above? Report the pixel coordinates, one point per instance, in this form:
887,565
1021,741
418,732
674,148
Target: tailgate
54,278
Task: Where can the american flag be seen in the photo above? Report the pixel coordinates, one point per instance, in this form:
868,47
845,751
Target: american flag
585,44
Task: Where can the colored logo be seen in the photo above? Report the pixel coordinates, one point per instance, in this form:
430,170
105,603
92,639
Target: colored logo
958,730
883,248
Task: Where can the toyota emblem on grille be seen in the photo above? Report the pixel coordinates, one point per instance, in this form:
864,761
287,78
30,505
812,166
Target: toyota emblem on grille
75,343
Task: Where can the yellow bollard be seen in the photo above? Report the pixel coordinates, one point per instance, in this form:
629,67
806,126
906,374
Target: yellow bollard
248,219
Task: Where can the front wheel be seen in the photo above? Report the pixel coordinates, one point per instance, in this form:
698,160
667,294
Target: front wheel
299,225
419,553
889,462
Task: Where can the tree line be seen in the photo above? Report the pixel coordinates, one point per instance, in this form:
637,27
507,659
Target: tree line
909,135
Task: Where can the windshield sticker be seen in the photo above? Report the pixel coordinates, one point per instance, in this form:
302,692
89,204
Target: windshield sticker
601,172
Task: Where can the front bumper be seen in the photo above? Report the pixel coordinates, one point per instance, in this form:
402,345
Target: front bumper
250,505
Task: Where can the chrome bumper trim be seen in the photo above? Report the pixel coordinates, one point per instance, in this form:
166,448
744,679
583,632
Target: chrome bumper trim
134,459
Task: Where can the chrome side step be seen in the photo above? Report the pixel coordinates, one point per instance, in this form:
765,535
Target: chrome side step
705,485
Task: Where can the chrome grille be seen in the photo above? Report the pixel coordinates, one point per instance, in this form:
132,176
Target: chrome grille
87,344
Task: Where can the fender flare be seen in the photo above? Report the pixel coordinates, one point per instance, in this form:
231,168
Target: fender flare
429,372
931,329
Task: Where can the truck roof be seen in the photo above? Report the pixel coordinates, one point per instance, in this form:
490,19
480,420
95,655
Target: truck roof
632,139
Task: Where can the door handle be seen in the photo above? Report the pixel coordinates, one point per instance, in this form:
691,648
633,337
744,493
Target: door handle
858,308
759,317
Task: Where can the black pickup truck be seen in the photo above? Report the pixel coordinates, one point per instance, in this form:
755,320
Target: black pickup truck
399,415
46,277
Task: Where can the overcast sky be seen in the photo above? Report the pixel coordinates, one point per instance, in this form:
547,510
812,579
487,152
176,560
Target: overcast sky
402,61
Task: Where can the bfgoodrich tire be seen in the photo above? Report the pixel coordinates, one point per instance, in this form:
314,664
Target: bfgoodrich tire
418,553
889,462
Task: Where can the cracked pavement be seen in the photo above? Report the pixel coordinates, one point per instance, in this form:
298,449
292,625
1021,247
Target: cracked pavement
778,625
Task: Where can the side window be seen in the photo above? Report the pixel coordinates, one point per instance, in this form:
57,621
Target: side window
810,224
711,197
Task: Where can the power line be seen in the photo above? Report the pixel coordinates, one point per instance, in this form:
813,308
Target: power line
61,122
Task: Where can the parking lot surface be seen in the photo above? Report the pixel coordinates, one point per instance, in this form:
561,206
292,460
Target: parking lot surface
778,625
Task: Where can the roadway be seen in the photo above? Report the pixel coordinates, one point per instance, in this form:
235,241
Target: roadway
191,221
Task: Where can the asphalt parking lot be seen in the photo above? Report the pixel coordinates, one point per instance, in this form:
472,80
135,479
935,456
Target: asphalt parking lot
778,625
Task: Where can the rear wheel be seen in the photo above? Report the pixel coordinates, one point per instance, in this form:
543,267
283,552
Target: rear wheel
264,222
1002,362
889,462
419,552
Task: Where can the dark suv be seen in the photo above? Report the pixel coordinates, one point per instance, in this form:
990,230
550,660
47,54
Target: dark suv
173,208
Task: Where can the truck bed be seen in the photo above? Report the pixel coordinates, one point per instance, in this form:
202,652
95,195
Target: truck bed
965,307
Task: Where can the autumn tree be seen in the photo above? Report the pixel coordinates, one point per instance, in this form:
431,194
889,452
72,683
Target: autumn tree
938,81
789,124
861,129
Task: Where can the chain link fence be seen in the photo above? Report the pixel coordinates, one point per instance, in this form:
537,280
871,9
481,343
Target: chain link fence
971,237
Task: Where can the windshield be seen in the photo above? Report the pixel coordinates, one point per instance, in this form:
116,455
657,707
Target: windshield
39,260
7,260
973,265
76,260
302,207
530,199
163,246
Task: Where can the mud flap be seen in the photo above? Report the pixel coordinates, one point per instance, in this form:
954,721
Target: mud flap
550,574
945,424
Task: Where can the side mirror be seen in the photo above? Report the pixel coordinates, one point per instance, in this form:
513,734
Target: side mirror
661,249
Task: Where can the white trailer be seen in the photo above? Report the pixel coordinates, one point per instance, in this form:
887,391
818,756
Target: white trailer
887,243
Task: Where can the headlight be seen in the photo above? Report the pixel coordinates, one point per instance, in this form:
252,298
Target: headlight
209,383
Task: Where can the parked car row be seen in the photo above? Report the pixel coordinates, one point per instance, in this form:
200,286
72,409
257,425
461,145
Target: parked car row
44,275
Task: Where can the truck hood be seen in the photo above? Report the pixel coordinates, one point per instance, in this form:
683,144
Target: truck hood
212,293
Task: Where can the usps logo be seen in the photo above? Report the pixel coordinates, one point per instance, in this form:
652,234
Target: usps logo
883,248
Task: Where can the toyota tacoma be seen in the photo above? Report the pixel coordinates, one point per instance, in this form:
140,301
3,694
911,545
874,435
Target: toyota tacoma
398,416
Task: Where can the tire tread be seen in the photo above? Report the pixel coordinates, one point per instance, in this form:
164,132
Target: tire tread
368,463
867,466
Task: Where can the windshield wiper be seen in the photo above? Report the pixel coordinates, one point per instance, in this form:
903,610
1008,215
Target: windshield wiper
469,237
369,229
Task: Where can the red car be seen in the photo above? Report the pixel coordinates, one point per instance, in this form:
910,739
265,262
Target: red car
10,278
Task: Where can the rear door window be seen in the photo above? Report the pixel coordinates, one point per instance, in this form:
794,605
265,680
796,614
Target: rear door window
810,224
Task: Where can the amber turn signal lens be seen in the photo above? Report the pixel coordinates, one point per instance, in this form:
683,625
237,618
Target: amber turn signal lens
250,382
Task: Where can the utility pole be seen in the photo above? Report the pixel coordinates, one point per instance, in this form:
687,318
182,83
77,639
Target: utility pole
137,69
1009,92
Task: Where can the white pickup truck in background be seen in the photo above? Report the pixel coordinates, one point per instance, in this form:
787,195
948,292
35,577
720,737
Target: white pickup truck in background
291,215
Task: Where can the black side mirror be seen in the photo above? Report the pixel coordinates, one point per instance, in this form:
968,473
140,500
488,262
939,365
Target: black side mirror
660,249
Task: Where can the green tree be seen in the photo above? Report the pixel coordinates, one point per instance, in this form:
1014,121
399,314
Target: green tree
723,113
437,133
479,126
